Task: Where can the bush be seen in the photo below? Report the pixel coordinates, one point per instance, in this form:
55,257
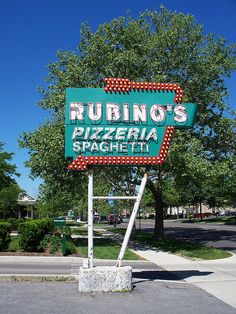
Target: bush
44,243
15,222
32,233
59,230
14,244
5,230
70,247
55,244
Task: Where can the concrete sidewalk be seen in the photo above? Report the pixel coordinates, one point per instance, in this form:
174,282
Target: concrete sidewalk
218,277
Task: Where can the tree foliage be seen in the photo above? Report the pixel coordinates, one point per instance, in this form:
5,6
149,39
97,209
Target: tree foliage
158,46
7,170
9,189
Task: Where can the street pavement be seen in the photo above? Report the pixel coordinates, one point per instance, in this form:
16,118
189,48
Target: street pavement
217,277
209,234
149,296
190,285
63,266
163,283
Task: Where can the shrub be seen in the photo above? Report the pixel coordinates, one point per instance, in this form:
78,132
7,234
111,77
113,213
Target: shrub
55,244
70,247
5,230
44,243
14,244
32,232
15,222
59,230
68,231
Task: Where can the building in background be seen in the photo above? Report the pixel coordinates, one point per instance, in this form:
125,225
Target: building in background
26,207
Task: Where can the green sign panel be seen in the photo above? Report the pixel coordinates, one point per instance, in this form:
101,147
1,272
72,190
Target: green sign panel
123,124
59,222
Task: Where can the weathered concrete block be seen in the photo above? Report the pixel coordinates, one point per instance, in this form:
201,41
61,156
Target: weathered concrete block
105,279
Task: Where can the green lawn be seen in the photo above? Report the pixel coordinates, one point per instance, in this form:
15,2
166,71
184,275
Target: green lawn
108,249
226,220
182,248
82,231
103,249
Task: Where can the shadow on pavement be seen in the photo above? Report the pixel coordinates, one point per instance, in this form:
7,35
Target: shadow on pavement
166,275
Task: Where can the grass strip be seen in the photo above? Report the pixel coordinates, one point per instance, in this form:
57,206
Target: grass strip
83,232
103,249
225,220
178,247
221,220
37,278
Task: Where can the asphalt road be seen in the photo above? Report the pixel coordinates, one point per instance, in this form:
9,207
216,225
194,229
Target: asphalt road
155,289
148,296
215,235
219,236
56,268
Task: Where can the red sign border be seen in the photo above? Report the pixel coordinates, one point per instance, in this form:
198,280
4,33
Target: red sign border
81,163
125,85
122,85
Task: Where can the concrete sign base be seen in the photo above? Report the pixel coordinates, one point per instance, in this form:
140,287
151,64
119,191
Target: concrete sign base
105,279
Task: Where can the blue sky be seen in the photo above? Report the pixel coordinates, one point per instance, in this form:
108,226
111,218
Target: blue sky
31,33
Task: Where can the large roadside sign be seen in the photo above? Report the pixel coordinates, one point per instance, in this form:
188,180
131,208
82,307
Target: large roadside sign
125,123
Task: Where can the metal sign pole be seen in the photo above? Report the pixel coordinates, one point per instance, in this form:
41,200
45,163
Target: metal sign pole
90,218
132,219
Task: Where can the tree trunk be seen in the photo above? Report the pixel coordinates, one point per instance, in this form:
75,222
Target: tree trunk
200,210
159,221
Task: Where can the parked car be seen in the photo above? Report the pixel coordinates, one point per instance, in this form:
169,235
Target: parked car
204,215
111,219
103,218
151,216
222,213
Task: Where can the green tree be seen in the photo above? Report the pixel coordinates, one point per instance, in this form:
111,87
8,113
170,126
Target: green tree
220,184
202,180
7,170
9,190
171,194
8,200
158,46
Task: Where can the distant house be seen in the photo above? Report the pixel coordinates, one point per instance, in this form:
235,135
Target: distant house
26,206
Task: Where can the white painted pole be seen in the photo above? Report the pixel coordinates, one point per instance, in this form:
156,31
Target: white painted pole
115,197
90,218
132,220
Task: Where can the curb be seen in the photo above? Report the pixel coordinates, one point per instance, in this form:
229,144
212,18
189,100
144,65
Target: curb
54,259
40,259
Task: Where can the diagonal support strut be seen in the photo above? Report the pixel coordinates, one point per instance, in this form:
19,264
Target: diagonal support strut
132,220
